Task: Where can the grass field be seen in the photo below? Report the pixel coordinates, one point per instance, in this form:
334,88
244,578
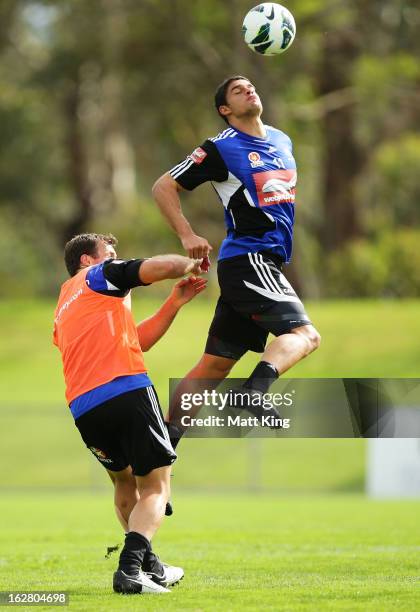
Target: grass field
270,524
239,552
360,339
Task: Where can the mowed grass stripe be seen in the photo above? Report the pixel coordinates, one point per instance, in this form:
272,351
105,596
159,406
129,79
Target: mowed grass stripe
239,552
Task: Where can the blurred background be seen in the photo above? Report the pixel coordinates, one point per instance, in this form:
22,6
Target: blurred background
99,98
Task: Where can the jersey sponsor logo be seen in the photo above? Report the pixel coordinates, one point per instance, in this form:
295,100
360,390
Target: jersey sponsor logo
68,304
255,159
275,186
198,155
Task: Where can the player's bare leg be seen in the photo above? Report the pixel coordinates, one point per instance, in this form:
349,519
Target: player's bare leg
280,355
206,374
126,494
286,350
143,522
147,514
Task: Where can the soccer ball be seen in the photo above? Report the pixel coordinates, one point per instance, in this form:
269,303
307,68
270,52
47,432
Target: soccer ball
269,28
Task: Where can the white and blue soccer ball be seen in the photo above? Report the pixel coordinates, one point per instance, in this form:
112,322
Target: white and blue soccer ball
269,28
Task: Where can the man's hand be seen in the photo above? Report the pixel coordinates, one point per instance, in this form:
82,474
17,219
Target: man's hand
205,264
196,246
186,289
195,267
153,328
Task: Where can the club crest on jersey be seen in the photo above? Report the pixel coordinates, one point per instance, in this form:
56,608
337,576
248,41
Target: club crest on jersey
275,187
198,155
255,159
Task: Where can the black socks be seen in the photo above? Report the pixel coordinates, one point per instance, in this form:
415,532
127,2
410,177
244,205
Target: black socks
262,377
135,548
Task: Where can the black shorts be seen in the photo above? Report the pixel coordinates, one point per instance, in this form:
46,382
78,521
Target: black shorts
128,430
255,299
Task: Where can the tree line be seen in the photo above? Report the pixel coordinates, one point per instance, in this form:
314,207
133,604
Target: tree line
100,97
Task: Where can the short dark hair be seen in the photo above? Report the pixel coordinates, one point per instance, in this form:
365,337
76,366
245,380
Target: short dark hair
220,95
84,244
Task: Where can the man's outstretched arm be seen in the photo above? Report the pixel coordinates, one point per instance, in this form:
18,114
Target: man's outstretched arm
162,267
166,194
152,329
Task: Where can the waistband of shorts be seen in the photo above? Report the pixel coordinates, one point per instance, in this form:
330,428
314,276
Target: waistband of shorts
278,259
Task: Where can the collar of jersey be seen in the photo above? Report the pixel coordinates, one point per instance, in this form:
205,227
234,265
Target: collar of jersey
253,138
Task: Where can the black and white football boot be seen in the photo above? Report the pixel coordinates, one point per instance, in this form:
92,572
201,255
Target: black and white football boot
161,573
141,583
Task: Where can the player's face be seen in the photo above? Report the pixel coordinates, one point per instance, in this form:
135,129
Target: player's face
103,252
242,99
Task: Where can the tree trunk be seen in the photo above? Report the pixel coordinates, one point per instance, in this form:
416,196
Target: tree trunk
343,157
77,166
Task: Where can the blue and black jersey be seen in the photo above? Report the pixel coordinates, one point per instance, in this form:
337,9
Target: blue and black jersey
255,180
115,277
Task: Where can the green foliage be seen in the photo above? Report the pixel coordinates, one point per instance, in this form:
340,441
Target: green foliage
356,270
402,253
387,267
30,261
396,188
386,87
100,98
